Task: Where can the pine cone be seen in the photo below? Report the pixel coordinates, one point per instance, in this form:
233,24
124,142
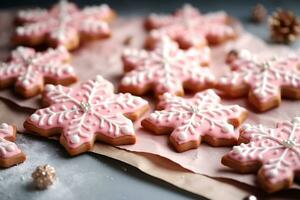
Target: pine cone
284,26
258,13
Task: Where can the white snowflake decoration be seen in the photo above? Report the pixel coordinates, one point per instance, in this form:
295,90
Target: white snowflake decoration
265,79
191,28
277,151
196,119
63,24
165,69
91,111
29,69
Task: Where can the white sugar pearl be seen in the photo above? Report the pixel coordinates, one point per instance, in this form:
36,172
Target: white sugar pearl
74,139
20,30
153,116
127,130
25,82
167,95
34,117
99,78
126,81
182,136
227,128
223,80
10,148
69,70
260,94
272,173
3,126
237,149
127,51
49,87
210,92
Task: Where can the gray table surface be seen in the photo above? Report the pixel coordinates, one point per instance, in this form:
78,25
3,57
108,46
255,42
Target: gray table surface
91,176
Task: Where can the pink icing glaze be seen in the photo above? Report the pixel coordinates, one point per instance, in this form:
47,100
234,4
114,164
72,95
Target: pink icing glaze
264,78
190,27
193,118
64,22
8,149
89,109
277,149
29,68
166,68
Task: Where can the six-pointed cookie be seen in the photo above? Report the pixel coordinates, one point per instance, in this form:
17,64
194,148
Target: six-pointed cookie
64,24
165,69
29,70
263,82
189,121
190,28
10,154
87,113
273,152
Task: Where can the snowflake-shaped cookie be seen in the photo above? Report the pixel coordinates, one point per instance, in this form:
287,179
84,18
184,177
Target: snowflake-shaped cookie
190,28
165,69
10,154
64,24
265,82
274,153
201,117
87,113
29,70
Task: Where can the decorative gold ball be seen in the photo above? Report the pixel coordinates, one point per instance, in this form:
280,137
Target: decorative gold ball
43,176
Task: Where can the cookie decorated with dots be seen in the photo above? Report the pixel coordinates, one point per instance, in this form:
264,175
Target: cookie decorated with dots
10,154
274,153
264,82
64,24
29,70
189,121
165,69
87,113
190,28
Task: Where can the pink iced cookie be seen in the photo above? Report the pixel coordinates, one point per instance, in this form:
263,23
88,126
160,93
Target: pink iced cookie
29,70
201,117
165,69
64,24
263,82
10,154
274,153
190,28
87,113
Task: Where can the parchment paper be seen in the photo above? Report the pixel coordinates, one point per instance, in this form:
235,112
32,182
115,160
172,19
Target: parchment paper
103,57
